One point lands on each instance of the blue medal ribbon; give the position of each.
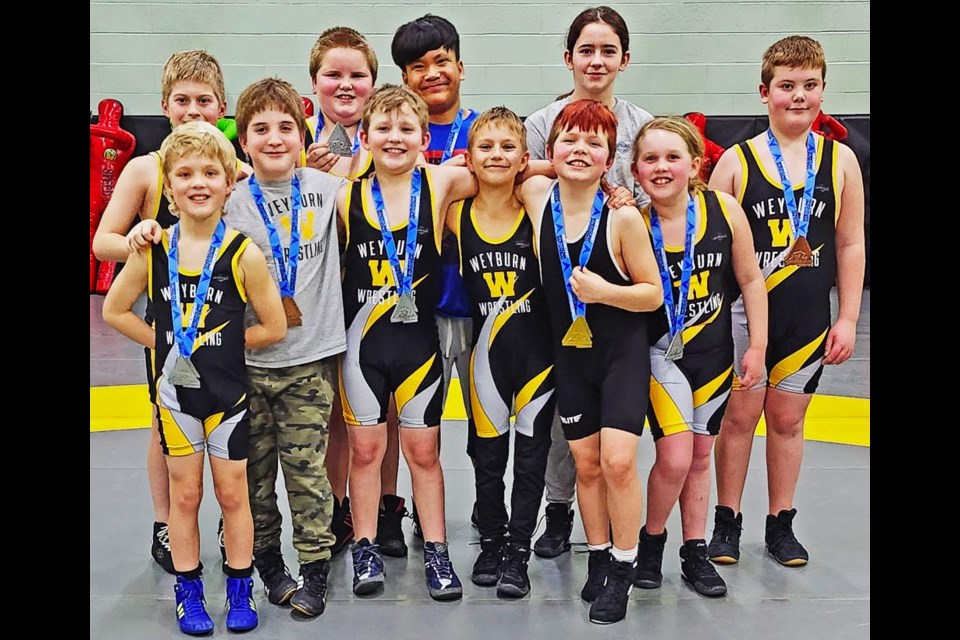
(185, 336)
(286, 269)
(452, 137)
(320, 125)
(577, 307)
(799, 220)
(676, 313)
(404, 281)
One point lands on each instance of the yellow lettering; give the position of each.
(779, 232)
(500, 283)
(698, 285)
(306, 224)
(381, 273)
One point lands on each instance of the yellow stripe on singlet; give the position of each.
(408, 388)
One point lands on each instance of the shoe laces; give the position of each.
(313, 581)
(194, 603)
(557, 526)
(513, 563)
(272, 572)
(439, 563)
(163, 537)
(698, 563)
(728, 530)
(617, 572)
(366, 559)
(239, 598)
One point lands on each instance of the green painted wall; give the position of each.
(700, 55)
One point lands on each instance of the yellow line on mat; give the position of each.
(834, 419)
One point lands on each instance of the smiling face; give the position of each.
(596, 59)
(395, 139)
(342, 84)
(192, 101)
(664, 165)
(793, 97)
(198, 185)
(436, 76)
(581, 155)
(273, 141)
(496, 155)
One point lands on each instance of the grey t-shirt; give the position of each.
(630, 118)
(317, 291)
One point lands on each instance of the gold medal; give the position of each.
(800, 254)
(578, 335)
(292, 312)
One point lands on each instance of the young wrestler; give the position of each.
(389, 306)
(512, 357)
(702, 243)
(343, 70)
(191, 90)
(597, 51)
(598, 271)
(201, 389)
(427, 51)
(803, 195)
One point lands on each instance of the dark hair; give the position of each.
(603, 14)
(416, 37)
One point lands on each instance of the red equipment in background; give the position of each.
(110, 149)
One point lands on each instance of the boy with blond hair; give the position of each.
(191, 90)
(198, 283)
(803, 195)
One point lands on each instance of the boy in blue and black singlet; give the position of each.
(803, 196)
(391, 225)
(512, 360)
(199, 277)
(704, 252)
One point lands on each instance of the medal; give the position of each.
(578, 335)
(291, 311)
(184, 374)
(800, 255)
(339, 143)
(452, 137)
(676, 312)
(338, 138)
(286, 268)
(406, 309)
(675, 349)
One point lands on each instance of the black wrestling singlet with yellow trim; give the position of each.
(794, 290)
(709, 298)
(512, 353)
(218, 355)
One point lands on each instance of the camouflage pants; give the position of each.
(290, 407)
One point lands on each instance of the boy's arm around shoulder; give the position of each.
(851, 257)
(263, 295)
(451, 184)
(126, 203)
(532, 193)
(123, 293)
(752, 285)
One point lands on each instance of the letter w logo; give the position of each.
(381, 273)
(779, 232)
(500, 283)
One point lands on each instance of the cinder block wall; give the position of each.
(701, 55)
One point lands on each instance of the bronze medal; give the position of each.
(578, 335)
(292, 312)
(800, 254)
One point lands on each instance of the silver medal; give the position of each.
(339, 142)
(675, 348)
(184, 374)
(406, 309)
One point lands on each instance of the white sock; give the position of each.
(624, 556)
(599, 547)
